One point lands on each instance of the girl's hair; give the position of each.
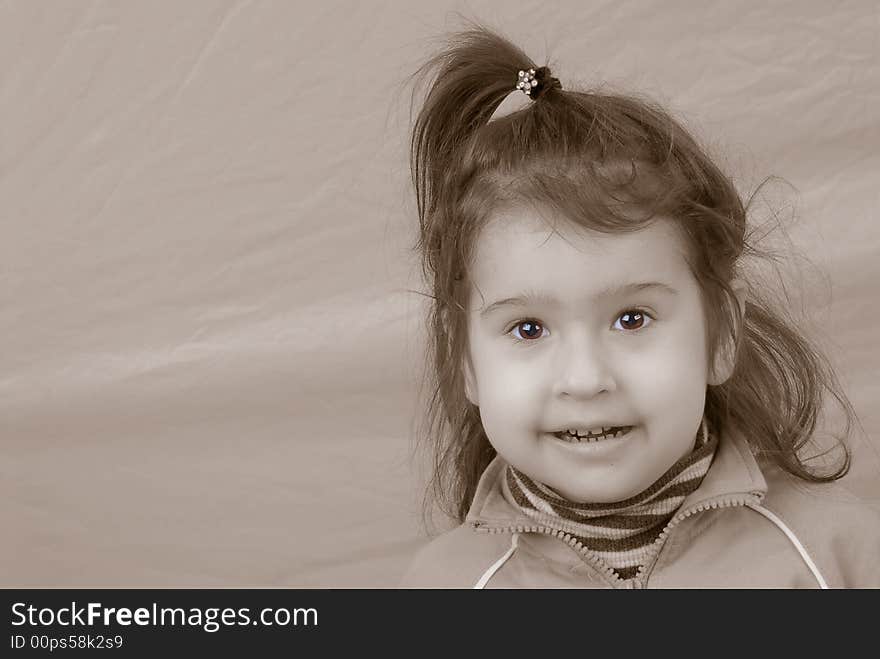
(611, 163)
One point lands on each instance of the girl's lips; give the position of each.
(610, 436)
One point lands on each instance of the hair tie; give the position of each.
(537, 82)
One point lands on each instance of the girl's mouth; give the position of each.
(610, 433)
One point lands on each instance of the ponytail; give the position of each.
(476, 72)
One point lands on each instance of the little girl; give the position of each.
(615, 405)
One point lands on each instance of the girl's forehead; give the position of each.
(531, 263)
(526, 234)
(518, 254)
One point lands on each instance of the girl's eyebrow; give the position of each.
(526, 298)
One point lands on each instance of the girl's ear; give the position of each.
(725, 359)
(470, 382)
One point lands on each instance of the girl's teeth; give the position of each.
(593, 435)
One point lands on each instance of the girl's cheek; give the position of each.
(512, 383)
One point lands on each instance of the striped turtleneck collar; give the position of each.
(620, 534)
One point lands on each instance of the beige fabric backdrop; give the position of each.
(209, 356)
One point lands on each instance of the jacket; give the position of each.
(743, 527)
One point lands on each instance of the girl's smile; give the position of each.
(598, 448)
(599, 435)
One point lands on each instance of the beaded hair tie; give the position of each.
(537, 82)
(534, 83)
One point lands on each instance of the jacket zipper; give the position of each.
(593, 559)
(607, 572)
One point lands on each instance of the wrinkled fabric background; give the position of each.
(210, 351)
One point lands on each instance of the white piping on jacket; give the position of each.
(497, 564)
(794, 540)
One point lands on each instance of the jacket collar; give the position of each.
(734, 471)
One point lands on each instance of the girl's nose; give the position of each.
(584, 369)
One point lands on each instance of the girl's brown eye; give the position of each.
(529, 330)
(632, 320)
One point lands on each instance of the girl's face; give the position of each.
(602, 330)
